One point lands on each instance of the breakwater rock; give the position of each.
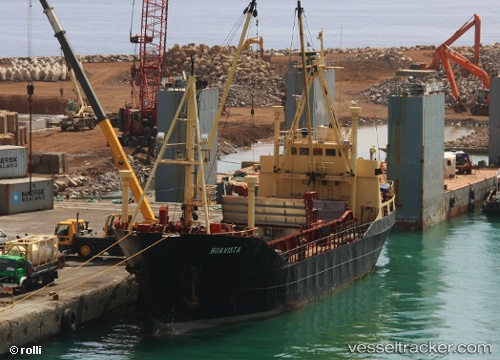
(260, 80)
(49, 68)
(467, 83)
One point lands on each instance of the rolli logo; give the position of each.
(225, 250)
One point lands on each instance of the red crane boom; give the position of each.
(444, 54)
(140, 119)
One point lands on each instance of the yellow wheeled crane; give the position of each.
(79, 114)
(119, 156)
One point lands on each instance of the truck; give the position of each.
(30, 260)
(76, 237)
(79, 115)
(463, 163)
(77, 122)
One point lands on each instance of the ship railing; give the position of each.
(320, 134)
(345, 234)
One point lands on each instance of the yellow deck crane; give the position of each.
(119, 156)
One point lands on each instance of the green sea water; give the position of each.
(432, 294)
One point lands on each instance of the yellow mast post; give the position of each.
(250, 10)
(306, 89)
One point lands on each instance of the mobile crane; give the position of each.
(78, 113)
(444, 54)
(138, 120)
(119, 156)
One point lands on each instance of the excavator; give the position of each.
(254, 40)
(442, 57)
(482, 101)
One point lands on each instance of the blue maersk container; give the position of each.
(22, 195)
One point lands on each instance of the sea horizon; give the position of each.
(346, 25)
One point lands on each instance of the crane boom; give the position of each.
(462, 30)
(152, 42)
(120, 158)
(444, 54)
(449, 54)
(140, 118)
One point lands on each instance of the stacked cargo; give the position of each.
(19, 193)
(10, 132)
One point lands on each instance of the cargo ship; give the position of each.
(491, 204)
(319, 221)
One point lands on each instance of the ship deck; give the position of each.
(460, 181)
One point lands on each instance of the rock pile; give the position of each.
(51, 68)
(254, 82)
(98, 180)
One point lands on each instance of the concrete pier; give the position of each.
(79, 296)
(85, 292)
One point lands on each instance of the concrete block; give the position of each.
(49, 163)
(12, 122)
(3, 122)
(36, 124)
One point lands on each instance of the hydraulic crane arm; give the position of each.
(477, 40)
(447, 54)
(119, 155)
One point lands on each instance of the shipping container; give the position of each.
(18, 195)
(13, 162)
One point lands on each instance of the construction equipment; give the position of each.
(79, 115)
(255, 40)
(120, 158)
(463, 163)
(29, 260)
(447, 54)
(482, 105)
(76, 237)
(441, 61)
(138, 120)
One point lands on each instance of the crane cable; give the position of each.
(30, 30)
(132, 17)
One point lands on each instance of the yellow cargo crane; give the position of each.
(120, 158)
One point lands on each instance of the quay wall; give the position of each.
(454, 201)
(32, 321)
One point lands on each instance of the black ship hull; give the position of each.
(491, 205)
(209, 279)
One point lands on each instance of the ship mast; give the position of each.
(193, 161)
(305, 78)
(250, 10)
(316, 70)
(193, 137)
